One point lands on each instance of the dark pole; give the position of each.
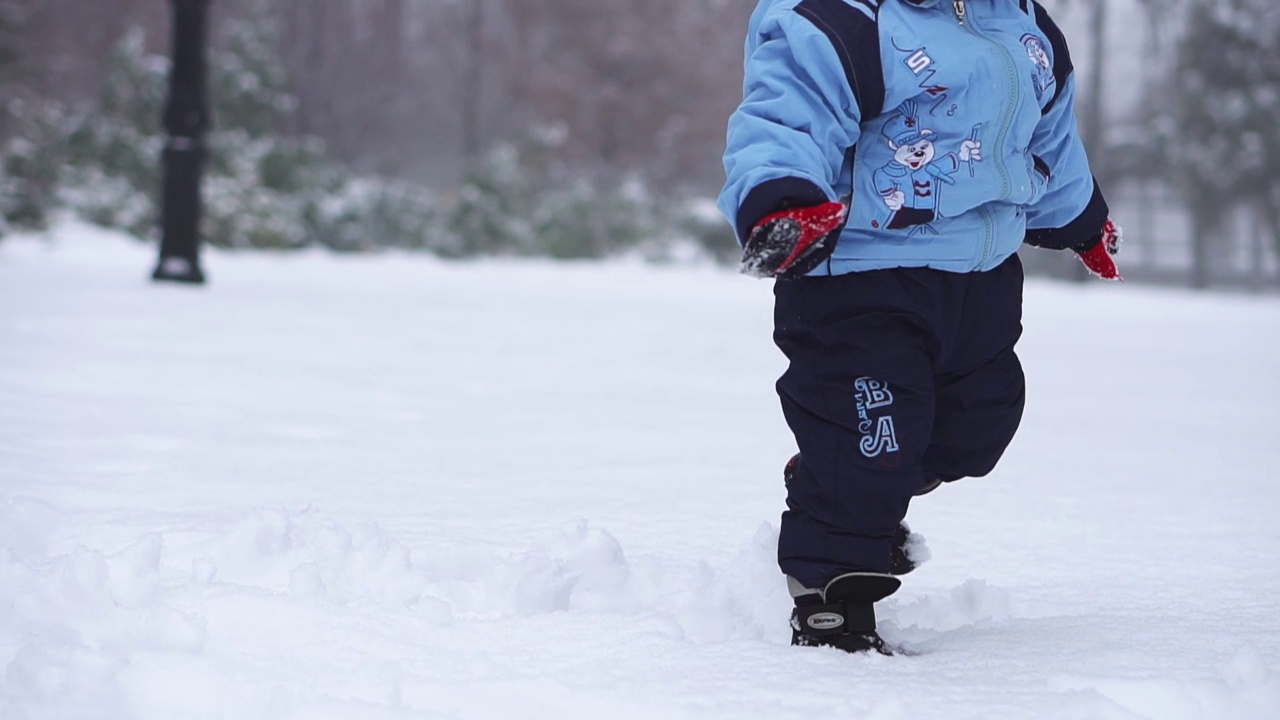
(186, 119)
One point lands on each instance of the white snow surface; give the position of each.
(333, 488)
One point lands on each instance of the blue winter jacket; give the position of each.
(949, 123)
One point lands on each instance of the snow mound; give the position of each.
(1245, 689)
(349, 487)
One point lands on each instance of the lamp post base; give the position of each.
(178, 269)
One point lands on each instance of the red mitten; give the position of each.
(1099, 257)
(793, 242)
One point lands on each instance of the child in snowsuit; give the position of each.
(888, 160)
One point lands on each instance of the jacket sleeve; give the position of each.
(1072, 211)
(799, 115)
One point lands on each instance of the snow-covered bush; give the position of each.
(109, 155)
(264, 188)
(585, 221)
(490, 212)
(27, 171)
(522, 201)
(30, 163)
(700, 221)
(258, 189)
(373, 213)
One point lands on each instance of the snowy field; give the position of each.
(395, 488)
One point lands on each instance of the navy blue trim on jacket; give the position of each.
(774, 196)
(1062, 65)
(856, 39)
(1080, 234)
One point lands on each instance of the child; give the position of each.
(886, 163)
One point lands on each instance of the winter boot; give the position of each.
(843, 614)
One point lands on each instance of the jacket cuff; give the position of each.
(1079, 234)
(773, 196)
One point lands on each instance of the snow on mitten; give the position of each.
(793, 242)
(1099, 257)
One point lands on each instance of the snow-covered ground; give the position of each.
(391, 487)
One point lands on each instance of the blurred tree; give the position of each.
(639, 85)
(68, 41)
(10, 55)
(1094, 112)
(10, 38)
(250, 85)
(473, 90)
(27, 171)
(10, 60)
(416, 89)
(1219, 133)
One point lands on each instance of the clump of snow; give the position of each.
(75, 622)
(917, 548)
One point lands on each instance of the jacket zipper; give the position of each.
(1005, 126)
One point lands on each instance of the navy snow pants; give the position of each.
(894, 375)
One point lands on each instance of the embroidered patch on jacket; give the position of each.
(910, 184)
(1042, 73)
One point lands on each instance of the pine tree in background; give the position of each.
(112, 151)
(9, 58)
(10, 44)
(28, 170)
(268, 188)
(263, 188)
(522, 200)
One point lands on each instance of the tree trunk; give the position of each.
(1095, 137)
(473, 91)
(1270, 220)
(1203, 229)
